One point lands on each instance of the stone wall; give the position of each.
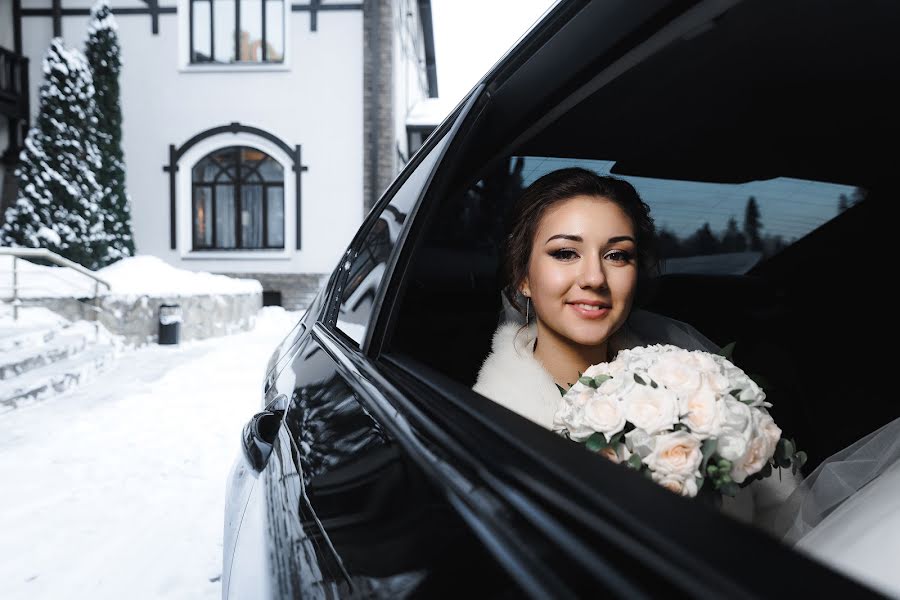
(137, 318)
(297, 289)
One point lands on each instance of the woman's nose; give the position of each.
(591, 274)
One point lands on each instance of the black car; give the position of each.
(762, 135)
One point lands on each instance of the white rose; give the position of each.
(760, 449)
(617, 387)
(677, 453)
(683, 486)
(570, 416)
(705, 362)
(640, 442)
(617, 368)
(736, 429)
(604, 414)
(651, 409)
(701, 413)
(677, 371)
(583, 396)
(717, 382)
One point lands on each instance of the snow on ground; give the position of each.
(134, 276)
(116, 489)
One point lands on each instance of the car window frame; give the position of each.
(446, 131)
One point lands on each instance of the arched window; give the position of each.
(238, 200)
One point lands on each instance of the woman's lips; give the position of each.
(586, 311)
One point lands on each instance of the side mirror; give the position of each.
(260, 432)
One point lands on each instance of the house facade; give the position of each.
(256, 133)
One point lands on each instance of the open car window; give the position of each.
(720, 228)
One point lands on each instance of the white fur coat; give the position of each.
(513, 377)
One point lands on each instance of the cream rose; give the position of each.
(677, 454)
(617, 455)
(651, 409)
(684, 487)
(604, 414)
(700, 412)
(678, 372)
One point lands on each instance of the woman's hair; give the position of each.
(555, 187)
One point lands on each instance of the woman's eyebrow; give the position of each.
(578, 238)
(621, 238)
(564, 236)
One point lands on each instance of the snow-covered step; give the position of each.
(55, 378)
(36, 325)
(13, 339)
(35, 355)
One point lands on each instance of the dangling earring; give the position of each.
(527, 310)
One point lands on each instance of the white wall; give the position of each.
(314, 100)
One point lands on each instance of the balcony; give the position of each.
(13, 85)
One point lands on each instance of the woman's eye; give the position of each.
(564, 254)
(619, 256)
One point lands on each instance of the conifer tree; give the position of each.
(57, 204)
(733, 240)
(102, 52)
(752, 225)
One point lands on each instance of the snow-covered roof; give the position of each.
(429, 112)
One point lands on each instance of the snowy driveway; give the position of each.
(116, 489)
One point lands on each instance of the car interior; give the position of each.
(759, 95)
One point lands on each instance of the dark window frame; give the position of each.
(235, 59)
(238, 181)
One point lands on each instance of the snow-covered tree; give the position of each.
(102, 52)
(58, 201)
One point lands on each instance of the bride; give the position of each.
(580, 246)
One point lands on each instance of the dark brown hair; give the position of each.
(555, 187)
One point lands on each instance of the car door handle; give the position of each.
(258, 437)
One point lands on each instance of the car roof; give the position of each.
(805, 86)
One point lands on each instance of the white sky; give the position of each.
(471, 35)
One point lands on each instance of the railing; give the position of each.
(44, 254)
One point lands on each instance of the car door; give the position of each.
(344, 509)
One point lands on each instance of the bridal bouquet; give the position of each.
(686, 419)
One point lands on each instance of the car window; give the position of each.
(720, 228)
(365, 268)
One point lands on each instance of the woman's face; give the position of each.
(582, 272)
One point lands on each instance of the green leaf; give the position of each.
(708, 449)
(634, 461)
(599, 379)
(588, 381)
(736, 394)
(596, 442)
(638, 379)
(562, 392)
(653, 384)
(614, 440)
(728, 350)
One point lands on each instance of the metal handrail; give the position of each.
(43, 253)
